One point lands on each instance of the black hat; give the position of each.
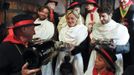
(49, 1)
(108, 54)
(22, 20)
(74, 4)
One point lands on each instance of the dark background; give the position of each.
(9, 8)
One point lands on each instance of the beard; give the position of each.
(42, 17)
(104, 22)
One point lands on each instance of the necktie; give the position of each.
(52, 15)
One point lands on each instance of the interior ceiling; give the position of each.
(60, 8)
(40, 2)
(35, 1)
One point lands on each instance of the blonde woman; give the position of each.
(74, 34)
(73, 6)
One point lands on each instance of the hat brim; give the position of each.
(79, 5)
(56, 3)
(24, 25)
(111, 64)
(91, 3)
(37, 24)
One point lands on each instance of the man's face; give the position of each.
(43, 14)
(124, 2)
(71, 20)
(51, 5)
(89, 7)
(28, 32)
(104, 18)
(77, 9)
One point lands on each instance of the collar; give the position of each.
(124, 9)
(93, 10)
(11, 38)
(103, 73)
(107, 27)
(128, 4)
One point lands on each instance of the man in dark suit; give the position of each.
(14, 44)
(125, 14)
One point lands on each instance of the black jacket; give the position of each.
(11, 60)
(129, 18)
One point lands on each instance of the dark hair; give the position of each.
(105, 9)
(43, 7)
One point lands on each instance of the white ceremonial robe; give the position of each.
(45, 31)
(73, 35)
(111, 30)
(47, 69)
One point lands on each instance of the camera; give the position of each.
(42, 52)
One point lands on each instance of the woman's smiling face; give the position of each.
(71, 20)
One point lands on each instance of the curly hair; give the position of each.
(105, 9)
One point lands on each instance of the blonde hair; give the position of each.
(73, 12)
(77, 15)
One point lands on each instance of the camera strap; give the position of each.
(18, 49)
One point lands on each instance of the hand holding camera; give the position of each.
(39, 54)
(26, 71)
(109, 42)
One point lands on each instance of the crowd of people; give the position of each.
(101, 41)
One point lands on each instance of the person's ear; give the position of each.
(111, 15)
